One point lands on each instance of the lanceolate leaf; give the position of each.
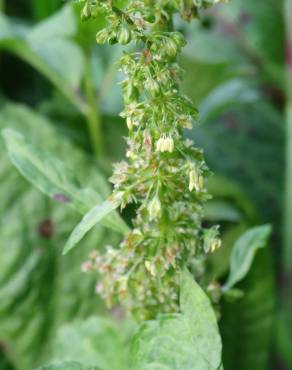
(50, 175)
(189, 340)
(94, 216)
(244, 251)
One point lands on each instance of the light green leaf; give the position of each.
(40, 290)
(94, 216)
(95, 341)
(49, 175)
(67, 365)
(244, 251)
(189, 340)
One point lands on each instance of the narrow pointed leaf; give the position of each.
(93, 217)
(244, 251)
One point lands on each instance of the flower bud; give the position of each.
(154, 208)
(179, 39)
(171, 47)
(211, 240)
(152, 85)
(169, 145)
(86, 12)
(196, 181)
(186, 121)
(150, 267)
(165, 144)
(102, 36)
(124, 35)
(122, 284)
(130, 123)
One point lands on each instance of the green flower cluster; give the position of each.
(164, 174)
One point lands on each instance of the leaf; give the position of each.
(189, 340)
(95, 341)
(244, 251)
(254, 131)
(227, 95)
(95, 215)
(49, 175)
(60, 24)
(48, 48)
(216, 210)
(247, 325)
(67, 365)
(41, 290)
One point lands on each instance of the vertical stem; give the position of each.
(284, 320)
(93, 114)
(2, 6)
(288, 202)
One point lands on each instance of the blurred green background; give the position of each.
(60, 89)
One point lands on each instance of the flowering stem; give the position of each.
(93, 115)
(164, 174)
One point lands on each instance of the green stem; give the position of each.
(2, 6)
(93, 115)
(288, 203)
(286, 322)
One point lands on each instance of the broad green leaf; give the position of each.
(244, 251)
(95, 341)
(41, 290)
(67, 365)
(49, 175)
(48, 48)
(94, 216)
(247, 325)
(189, 340)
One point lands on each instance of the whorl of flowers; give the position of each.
(164, 175)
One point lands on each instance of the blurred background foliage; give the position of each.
(60, 89)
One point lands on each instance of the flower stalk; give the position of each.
(164, 174)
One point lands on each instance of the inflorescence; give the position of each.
(164, 174)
